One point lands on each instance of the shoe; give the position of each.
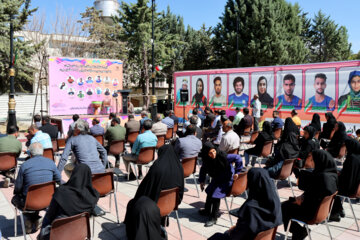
(6, 183)
(204, 212)
(210, 222)
(38, 223)
(140, 177)
(132, 177)
(300, 234)
(335, 218)
(28, 226)
(342, 213)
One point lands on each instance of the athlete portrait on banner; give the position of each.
(266, 100)
(239, 98)
(350, 102)
(181, 85)
(199, 96)
(219, 98)
(320, 101)
(288, 100)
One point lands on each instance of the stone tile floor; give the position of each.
(192, 224)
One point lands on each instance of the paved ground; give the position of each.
(192, 224)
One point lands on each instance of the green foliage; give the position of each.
(269, 33)
(355, 56)
(328, 41)
(24, 49)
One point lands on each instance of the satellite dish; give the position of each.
(108, 8)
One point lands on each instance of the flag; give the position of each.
(308, 106)
(158, 68)
(279, 105)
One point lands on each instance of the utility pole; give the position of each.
(11, 103)
(153, 97)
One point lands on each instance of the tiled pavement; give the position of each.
(192, 224)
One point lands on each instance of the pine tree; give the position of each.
(269, 33)
(23, 50)
(328, 41)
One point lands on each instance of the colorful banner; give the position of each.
(83, 86)
(307, 88)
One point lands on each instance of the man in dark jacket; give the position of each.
(48, 128)
(246, 122)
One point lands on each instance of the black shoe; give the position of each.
(132, 177)
(210, 222)
(334, 218)
(204, 212)
(300, 234)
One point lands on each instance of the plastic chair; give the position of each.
(38, 198)
(74, 227)
(189, 166)
(168, 202)
(49, 153)
(238, 187)
(100, 139)
(285, 173)
(353, 196)
(8, 162)
(54, 144)
(60, 144)
(169, 134)
(265, 152)
(277, 133)
(161, 141)
(321, 215)
(267, 235)
(146, 156)
(104, 184)
(132, 137)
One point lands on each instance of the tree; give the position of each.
(355, 56)
(23, 50)
(269, 33)
(328, 41)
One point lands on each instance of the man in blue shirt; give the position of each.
(239, 98)
(39, 136)
(144, 116)
(288, 98)
(96, 129)
(277, 122)
(320, 101)
(146, 139)
(36, 170)
(167, 120)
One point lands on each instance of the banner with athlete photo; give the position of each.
(77, 84)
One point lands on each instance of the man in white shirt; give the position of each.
(230, 140)
(256, 108)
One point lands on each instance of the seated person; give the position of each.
(132, 125)
(296, 118)
(260, 212)
(349, 178)
(230, 140)
(48, 128)
(165, 173)
(337, 140)
(10, 144)
(328, 126)
(212, 131)
(146, 139)
(86, 150)
(245, 122)
(144, 117)
(35, 170)
(39, 136)
(115, 132)
(158, 127)
(307, 144)
(286, 148)
(74, 197)
(315, 122)
(316, 185)
(167, 120)
(188, 146)
(96, 129)
(264, 136)
(219, 166)
(277, 122)
(75, 117)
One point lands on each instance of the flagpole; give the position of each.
(11, 103)
(153, 97)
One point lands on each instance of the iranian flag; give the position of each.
(279, 105)
(342, 108)
(308, 106)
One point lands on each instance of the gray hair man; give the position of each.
(158, 127)
(230, 140)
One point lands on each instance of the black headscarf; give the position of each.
(308, 145)
(217, 166)
(289, 127)
(328, 126)
(267, 128)
(315, 122)
(319, 183)
(337, 140)
(199, 97)
(349, 178)
(265, 98)
(77, 195)
(262, 210)
(146, 220)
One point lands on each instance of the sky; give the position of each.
(198, 12)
